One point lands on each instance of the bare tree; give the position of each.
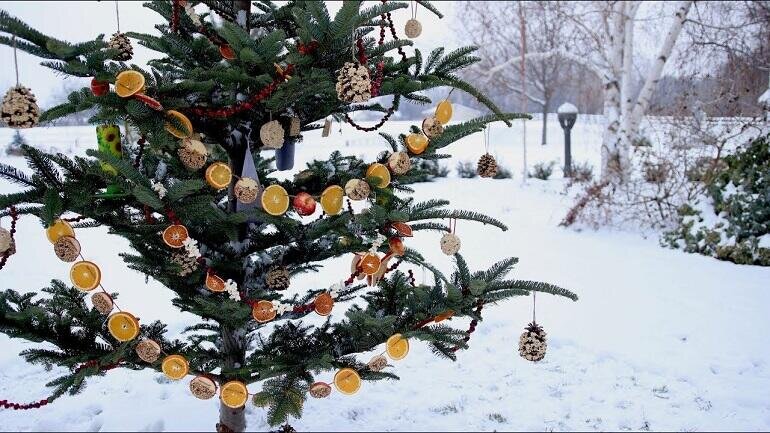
(604, 34)
(493, 27)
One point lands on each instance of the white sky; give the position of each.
(77, 21)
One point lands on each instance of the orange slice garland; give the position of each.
(187, 129)
(347, 381)
(369, 263)
(331, 199)
(263, 311)
(417, 143)
(444, 111)
(123, 326)
(380, 172)
(175, 235)
(85, 276)
(397, 347)
(219, 175)
(129, 83)
(275, 200)
(59, 229)
(234, 394)
(323, 304)
(215, 283)
(175, 367)
(403, 229)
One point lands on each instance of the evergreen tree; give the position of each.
(14, 147)
(263, 63)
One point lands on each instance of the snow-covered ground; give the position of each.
(659, 340)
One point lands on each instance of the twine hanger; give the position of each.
(117, 14)
(534, 299)
(15, 60)
(487, 131)
(414, 9)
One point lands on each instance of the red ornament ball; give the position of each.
(99, 88)
(304, 204)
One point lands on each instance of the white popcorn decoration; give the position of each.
(159, 189)
(336, 289)
(282, 308)
(232, 290)
(377, 243)
(191, 246)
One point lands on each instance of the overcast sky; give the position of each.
(77, 21)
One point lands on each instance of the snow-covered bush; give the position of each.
(582, 172)
(14, 147)
(731, 219)
(542, 170)
(467, 169)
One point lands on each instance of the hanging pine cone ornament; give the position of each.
(412, 29)
(432, 127)
(5, 240)
(246, 190)
(487, 166)
(399, 163)
(450, 244)
(193, 154)
(354, 83)
(102, 302)
(148, 351)
(532, 344)
(19, 109)
(272, 134)
(187, 265)
(120, 42)
(278, 278)
(67, 249)
(357, 189)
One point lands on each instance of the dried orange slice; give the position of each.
(403, 229)
(175, 367)
(123, 326)
(234, 394)
(444, 111)
(187, 129)
(215, 283)
(175, 235)
(219, 175)
(227, 52)
(331, 199)
(323, 304)
(397, 347)
(396, 246)
(128, 83)
(275, 200)
(381, 172)
(263, 311)
(443, 316)
(58, 229)
(417, 143)
(347, 381)
(369, 263)
(85, 275)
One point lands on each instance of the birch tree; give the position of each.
(604, 34)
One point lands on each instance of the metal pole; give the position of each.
(568, 152)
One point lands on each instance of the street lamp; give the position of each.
(567, 114)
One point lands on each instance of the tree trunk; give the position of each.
(234, 352)
(545, 123)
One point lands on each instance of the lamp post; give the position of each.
(567, 114)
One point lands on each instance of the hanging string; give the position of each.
(534, 297)
(486, 138)
(414, 10)
(117, 14)
(15, 61)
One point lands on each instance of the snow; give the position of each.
(567, 108)
(659, 340)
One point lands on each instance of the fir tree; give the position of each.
(295, 52)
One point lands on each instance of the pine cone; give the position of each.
(187, 264)
(120, 42)
(354, 83)
(278, 278)
(487, 166)
(532, 343)
(19, 109)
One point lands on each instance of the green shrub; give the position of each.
(542, 170)
(467, 169)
